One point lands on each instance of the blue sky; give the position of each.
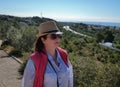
(64, 10)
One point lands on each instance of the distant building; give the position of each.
(108, 44)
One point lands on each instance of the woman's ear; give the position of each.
(43, 40)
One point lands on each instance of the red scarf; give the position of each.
(40, 62)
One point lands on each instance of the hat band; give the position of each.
(51, 31)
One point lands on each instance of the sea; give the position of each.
(103, 23)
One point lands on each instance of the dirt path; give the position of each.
(9, 76)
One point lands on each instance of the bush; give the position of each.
(117, 46)
(22, 39)
(108, 76)
(85, 72)
(22, 67)
(16, 53)
(24, 58)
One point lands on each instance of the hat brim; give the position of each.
(40, 35)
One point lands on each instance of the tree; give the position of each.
(99, 37)
(109, 36)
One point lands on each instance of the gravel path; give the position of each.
(9, 76)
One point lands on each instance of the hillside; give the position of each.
(93, 65)
(23, 21)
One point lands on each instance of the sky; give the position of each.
(64, 10)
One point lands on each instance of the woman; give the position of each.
(48, 66)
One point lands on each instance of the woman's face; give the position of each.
(52, 40)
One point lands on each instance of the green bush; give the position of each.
(108, 76)
(22, 67)
(22, 39)
(85, 72)
(16, 53)
(117, 46)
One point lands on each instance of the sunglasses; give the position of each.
(55, 36)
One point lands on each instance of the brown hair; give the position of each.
(39, 46)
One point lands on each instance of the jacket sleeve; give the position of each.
(29, 74)
(70, 83)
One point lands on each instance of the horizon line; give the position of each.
(65, 20)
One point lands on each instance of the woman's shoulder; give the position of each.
(35, 54)
(61, 50)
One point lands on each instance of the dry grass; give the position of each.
(8, 48)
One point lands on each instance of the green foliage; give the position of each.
(22, 67)
(109, 36)
(22, 39)
(117, 46)
(24, 58)
(85, 72)
(16, 53)
(108, 76)
(99, 37)
(4, 27)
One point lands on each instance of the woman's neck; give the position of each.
(51, 51)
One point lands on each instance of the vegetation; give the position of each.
(93, 65)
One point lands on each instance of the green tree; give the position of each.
(99, 37)
(109, 36)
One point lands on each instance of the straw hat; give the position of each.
(48, 27)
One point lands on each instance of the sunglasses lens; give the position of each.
(54, 36)
(60, 35)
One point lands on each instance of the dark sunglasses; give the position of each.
(54, 36)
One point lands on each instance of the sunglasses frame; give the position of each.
(55, 36)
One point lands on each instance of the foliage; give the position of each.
(85, 70)
(109, 36)
(22, 39)
(16, 53)
(117, 46)
(4, 27)
(22, 67)
(100, 37)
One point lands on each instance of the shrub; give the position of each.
(16, 53)
(22, 67)
(108, 76)
(22, 39)
(85, 72)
